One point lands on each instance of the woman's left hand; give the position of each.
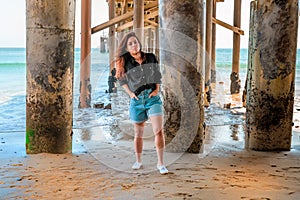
(154, 93)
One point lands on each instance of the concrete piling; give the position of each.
(271, 82)
(50, 62)
(181, 55)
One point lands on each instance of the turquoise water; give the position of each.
(13, 85)
(13, 82)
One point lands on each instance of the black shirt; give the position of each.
(143, 76)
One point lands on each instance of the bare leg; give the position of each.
(138, 140)
(157, 125)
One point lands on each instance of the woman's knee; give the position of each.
(159, 133)
(138, 130)
(159, 140)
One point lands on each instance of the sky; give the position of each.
(13, 22)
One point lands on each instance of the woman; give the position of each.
(138, 73)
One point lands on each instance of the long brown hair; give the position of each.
(121, 51)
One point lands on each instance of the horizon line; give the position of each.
(18, 47)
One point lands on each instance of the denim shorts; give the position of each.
(140, 110)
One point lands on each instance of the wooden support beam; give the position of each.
(213, 46)
(138, 19)
(124, 26)
(111, 34)
(151, 15)
(208, 43)
(85, 55)
(228, 26)
(151, 22)
(234, 77)
(120, 18)
(130, 24)
(149, 26)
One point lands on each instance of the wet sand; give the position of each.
(100, 166)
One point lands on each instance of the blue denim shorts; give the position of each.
(140, 110)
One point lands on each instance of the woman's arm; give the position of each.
(155, 92)
(129, 92)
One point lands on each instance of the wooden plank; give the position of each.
(236, 37)
(130, 24)
(138, 19)
(85, 52)
(120, 18)
(131, 1)
(111, 34)
(125, 26)
(151, 22)
(213, 46)
(228, 26)
(151, 15)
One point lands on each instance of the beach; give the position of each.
(100, 169)
(102, 154)
(100, 166)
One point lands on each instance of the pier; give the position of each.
(248, 148)
(182, 34)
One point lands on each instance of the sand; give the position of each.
(100, 167)
(227, 171)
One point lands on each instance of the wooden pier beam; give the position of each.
(49, 68)
(120, 34)
(112, 46)
(121, 18)
(213, 45)
(183, 78)
(85, 55)
(235, 84)
(138, 19)
(208, 47)
(271, 79)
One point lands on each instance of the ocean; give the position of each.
(13, 86)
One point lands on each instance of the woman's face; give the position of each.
(133, 46)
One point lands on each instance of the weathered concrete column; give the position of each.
(270, 91)
(181, 55)
(50, 63)
(235, 84)
(85, 87)
(251, 50)
(138, 19)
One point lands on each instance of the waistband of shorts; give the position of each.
(145, 92)
(146, 87)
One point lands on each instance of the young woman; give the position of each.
(138, 73)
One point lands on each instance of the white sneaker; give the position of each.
(136, 165)
(162, 169)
